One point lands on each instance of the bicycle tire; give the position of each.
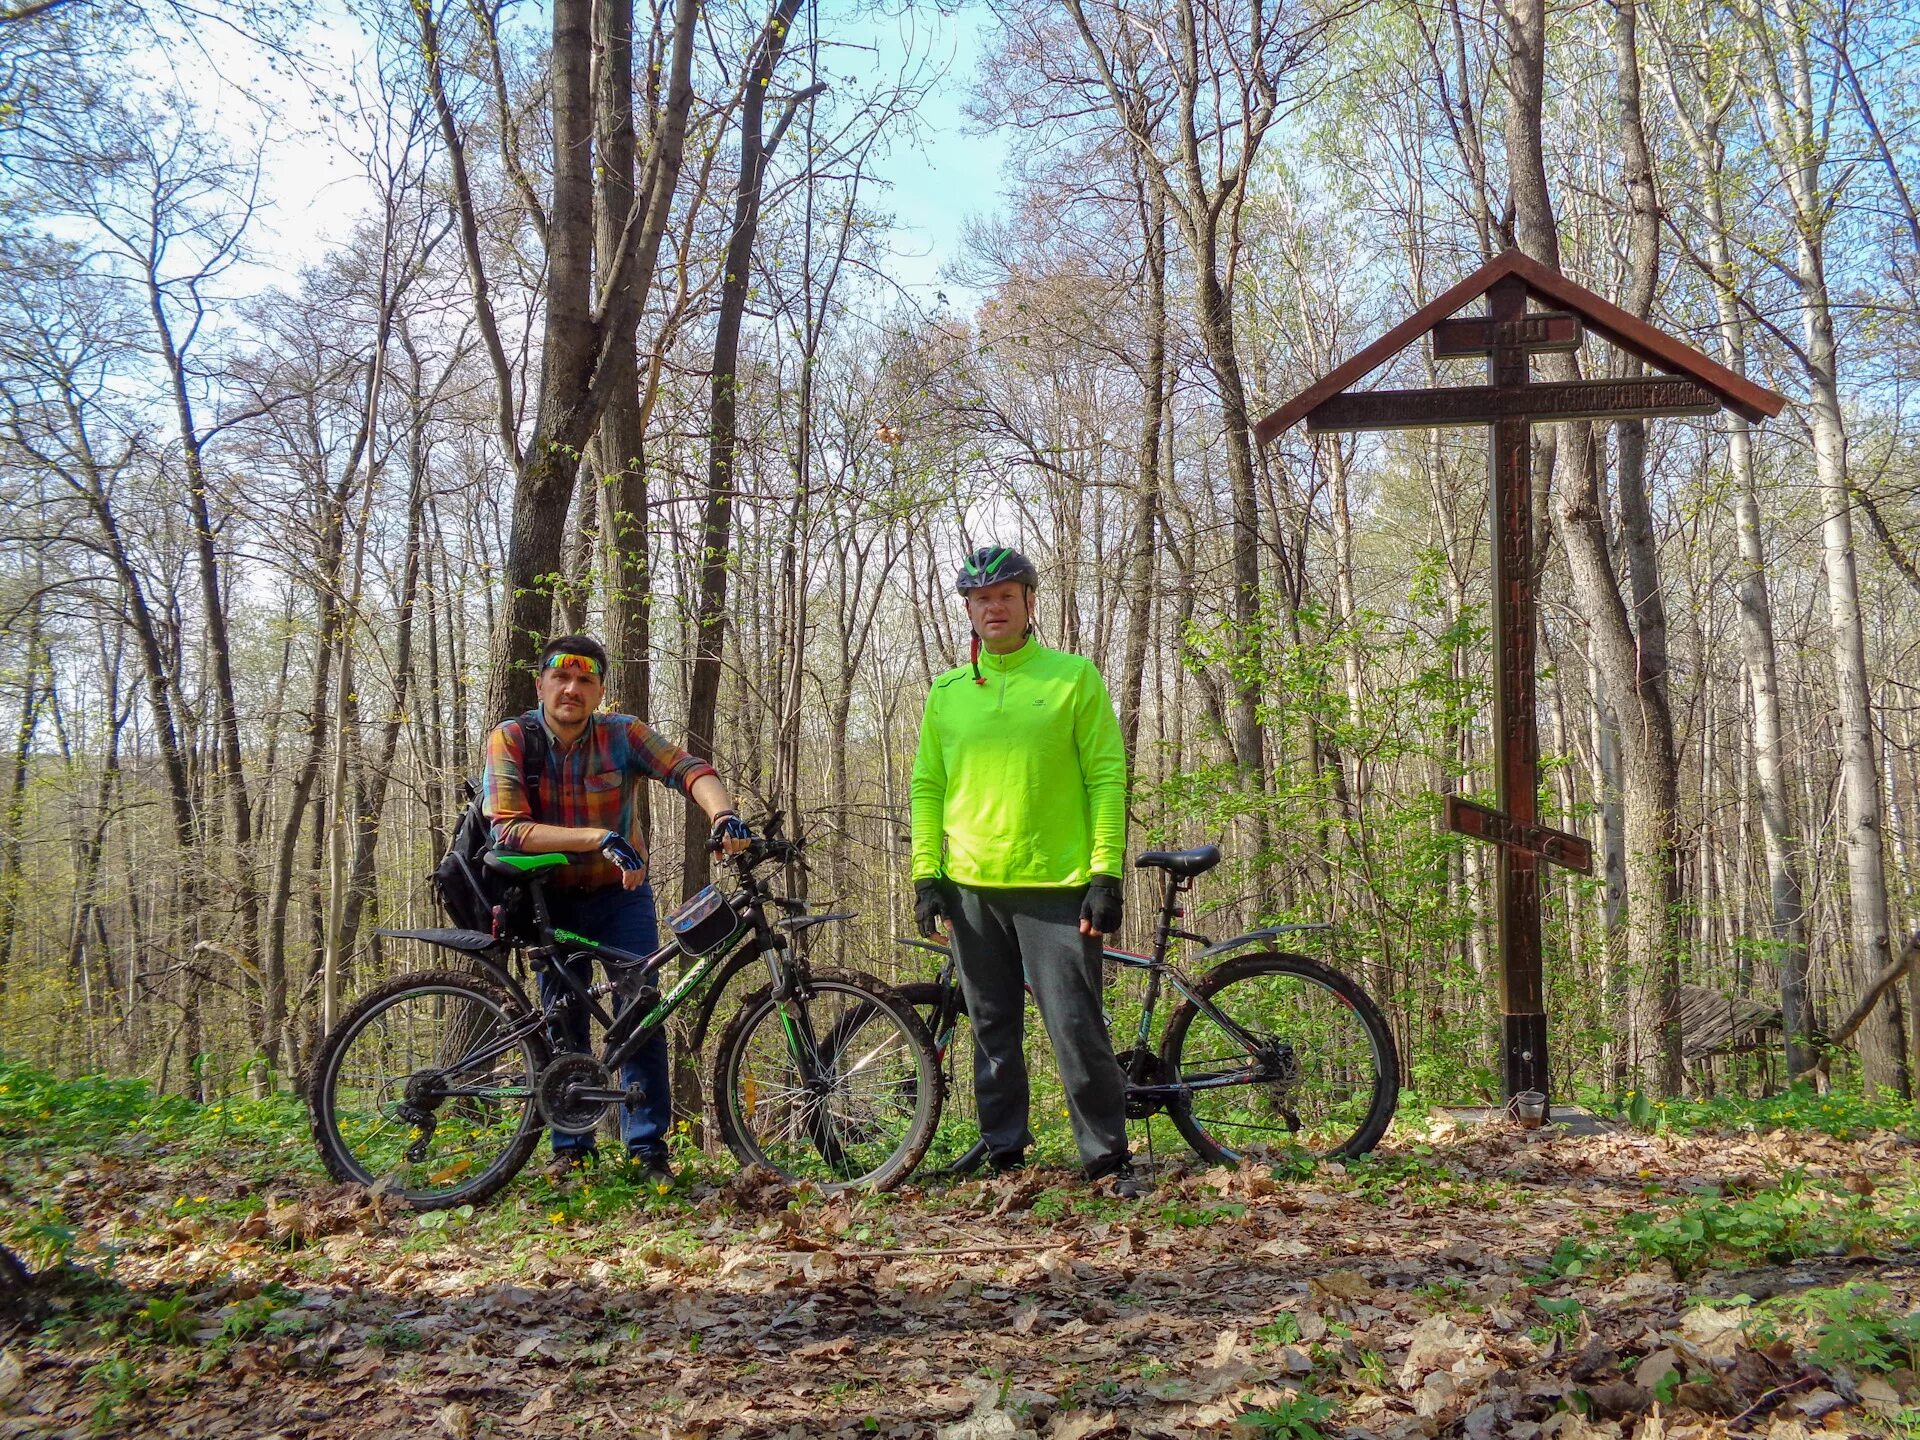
(1345, 1079)
(873, 1129)
(353, 1099)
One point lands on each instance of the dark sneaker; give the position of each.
(565, 1164)
(650, 1166)
(1126, 1183)
(1008, 1162)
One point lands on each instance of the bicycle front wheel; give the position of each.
(1303, 1062)
(424, 1090)
(844, 1091)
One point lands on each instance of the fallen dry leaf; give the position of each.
(1436, 1344)
(1341, 1284)
(1083, 1425)
(1713, 1333)
(541, 1404)
(820, 1349)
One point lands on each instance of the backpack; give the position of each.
(470, 894)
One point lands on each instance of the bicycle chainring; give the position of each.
(1141, 1067)
(557, 1107)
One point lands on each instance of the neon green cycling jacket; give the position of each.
(1021, 781)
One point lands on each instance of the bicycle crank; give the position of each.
(571, 1091)
(1142, 1068)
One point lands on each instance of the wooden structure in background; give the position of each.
(1510, 403)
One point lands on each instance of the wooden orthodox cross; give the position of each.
(1510, 403)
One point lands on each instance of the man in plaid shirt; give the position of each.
(587, 812)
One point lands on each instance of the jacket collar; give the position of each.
(1012, 660)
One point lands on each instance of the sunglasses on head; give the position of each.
(586, 664)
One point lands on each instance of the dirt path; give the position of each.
(1483, 1284)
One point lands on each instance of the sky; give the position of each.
(935, 179)
(948, 173)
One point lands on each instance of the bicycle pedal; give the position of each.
(635, 1097)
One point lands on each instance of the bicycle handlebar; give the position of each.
(767, 844)
(761, 849)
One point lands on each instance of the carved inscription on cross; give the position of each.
(1509, 404)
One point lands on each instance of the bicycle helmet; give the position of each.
(995, 565)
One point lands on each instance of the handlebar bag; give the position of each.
(704, 923)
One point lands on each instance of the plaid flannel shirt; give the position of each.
(586, 784)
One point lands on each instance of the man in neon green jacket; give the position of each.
(1019, 833)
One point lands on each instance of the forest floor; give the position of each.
(200, 1278)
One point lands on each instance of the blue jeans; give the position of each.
(624, 919)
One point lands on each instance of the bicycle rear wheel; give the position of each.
(424, 1090)
(1305, 1064)
(846, 1095)
(957, 1147)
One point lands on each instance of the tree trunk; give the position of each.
(12, 843)
(1797, 139)
(373, 799)
(716, 511)
(1202, 179)
(229, 766)
(1650, 768)
(582, 340)
(550, 459)
(1771, 767)
(1152, 207)
(619, 463)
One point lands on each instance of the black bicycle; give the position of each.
(1268, 1053)
(434, 1087)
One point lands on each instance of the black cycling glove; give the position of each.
(617, 849)
(1101, 908)
(730, 827)
(931, 908)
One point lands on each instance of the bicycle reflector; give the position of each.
(704, 923)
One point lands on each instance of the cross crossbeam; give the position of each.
(1538, 404)
(1570, 852)
(1479, 334)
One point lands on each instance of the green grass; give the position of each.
(40, 1112)
(1856, 1327)
(1297, 1417)
(1845, 1114)
(1801, 1216)
(1283, 1329)
(1187, 1216)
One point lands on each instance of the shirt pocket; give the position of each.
(605, 781)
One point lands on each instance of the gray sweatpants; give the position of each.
(1002, 940)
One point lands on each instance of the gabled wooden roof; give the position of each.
(1630, 333)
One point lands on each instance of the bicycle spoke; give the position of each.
(1313, 1070)
(891, 1047)
(850, 1105)
(400, 1115)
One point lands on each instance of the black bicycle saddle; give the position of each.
(1180, 862)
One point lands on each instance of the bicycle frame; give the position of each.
(624, 1034)
(1157, 966)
